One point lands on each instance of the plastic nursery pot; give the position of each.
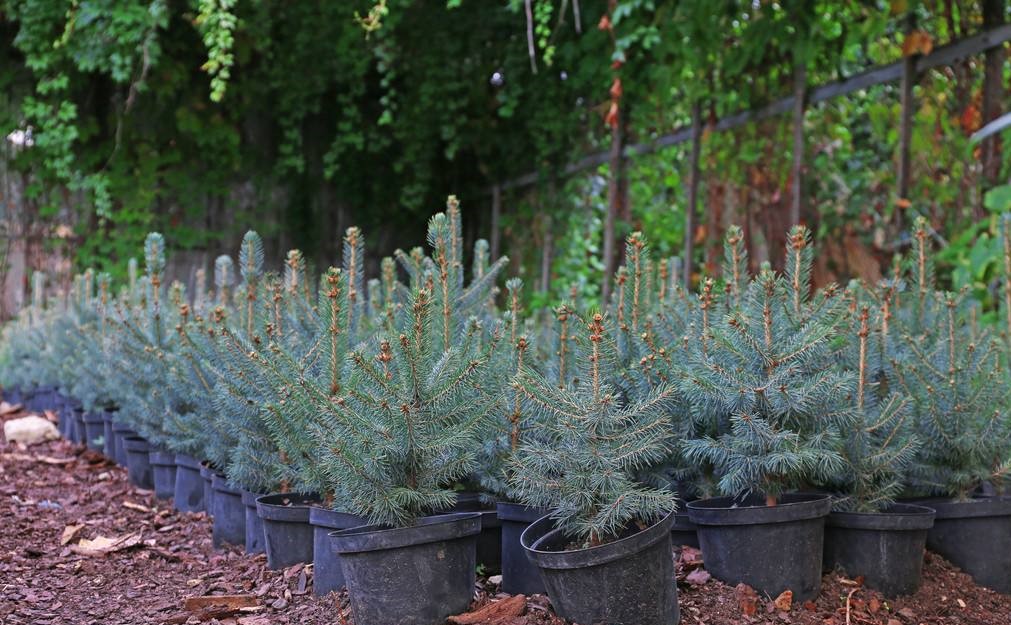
(254, 524)
(80, 427)
(683, 531)
(770, 548)
(975, 536)
(188, 494)
(120, 432)
(94, 430)
(108, 438)
(885, 548)
(489, 542)
(630, 581)
(229, 514)
(327, 574)
(65, 422)
(207, 473)
(163, 468)
(287, 534)
(138, 462)
(416, 575)
(519, 575)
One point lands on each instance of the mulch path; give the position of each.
(46, 580)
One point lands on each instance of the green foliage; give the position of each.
(764, 377)
(583, 463)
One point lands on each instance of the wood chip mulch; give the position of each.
(55, 495)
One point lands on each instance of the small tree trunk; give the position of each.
(693, 194)
(905, 126)
(799, 94)
(613, 207)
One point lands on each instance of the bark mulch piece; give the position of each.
(48, 578)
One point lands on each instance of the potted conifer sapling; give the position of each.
(868, 534)
(765, 377)
(604, 550)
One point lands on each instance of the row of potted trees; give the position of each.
(401, 431)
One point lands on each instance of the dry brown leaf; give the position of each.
(102, 545)
(70, 533)
(6, 409)
(698, 577)
(136, 506)
(747, 599)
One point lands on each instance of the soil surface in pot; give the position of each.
(48, 488)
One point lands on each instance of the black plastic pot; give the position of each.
(65, 422)
(975, 536)
(629, 581)
(12, 396)
(287, 534)
(327, 574)
(108, 438)
(414, 575)
(138, 462)
(163, 467)
(489, 542)
(683, 531)
(189, 487)
(885, 548)
(207, 473)
(254, 524)
(94, 430)
(229, 513)
(519, 574)
(770, 548)
(120, 433)
(80, 427)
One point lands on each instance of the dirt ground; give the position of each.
(55, 495)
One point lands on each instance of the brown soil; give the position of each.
(46, 488)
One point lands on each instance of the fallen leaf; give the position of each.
(136, 506)
(909, 614)
(747, 599)
(698, 577)
(70, 533)
(102, 545)
(495, 613)
(6, 409)
(784, 601)
(961, 603)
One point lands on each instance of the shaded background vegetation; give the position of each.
(202, 118)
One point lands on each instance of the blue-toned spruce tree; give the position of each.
(764, 379)
(582, 464)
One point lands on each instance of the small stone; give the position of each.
(30, 430)
(280, 604)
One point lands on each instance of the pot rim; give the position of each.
(792, 507)
(163, 458)
(896, 517)
(220, 484)
(517, 512)
(976, 507)
(136, 444)
(429, 529)
(271, 507)
(187, 461)
(591, 556)
(334, 519)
